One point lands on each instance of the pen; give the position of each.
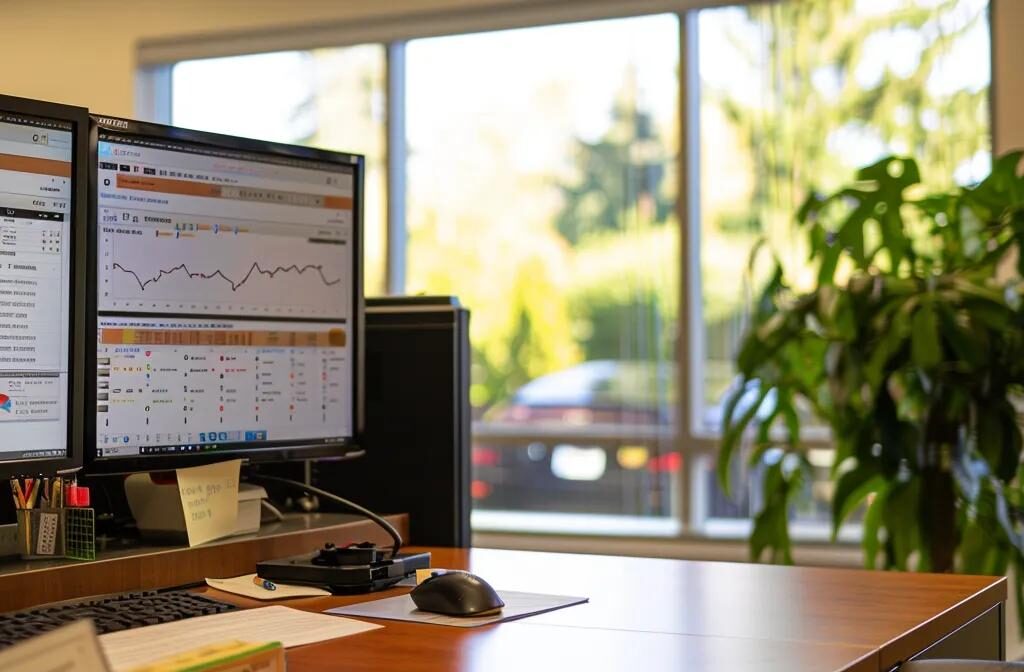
(263, 583)
(26, 490)
(34, 496)
(19, 494)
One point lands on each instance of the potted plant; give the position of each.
(910, 348)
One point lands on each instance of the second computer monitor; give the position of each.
(42, 241)
(227, 298)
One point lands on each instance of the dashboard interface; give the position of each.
(36, 157)
(225, 298)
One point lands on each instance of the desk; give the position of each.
(651, 614)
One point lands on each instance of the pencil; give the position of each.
(19, 494)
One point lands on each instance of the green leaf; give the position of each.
(829, 262)
(980, 553)
(968, 345)
(810, 207)
(924, 337)
(771, 524)
(852, 488)
(734, 432)
(851, 234)
(901, 523)
(872, 525)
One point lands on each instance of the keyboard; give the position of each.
(110, 613)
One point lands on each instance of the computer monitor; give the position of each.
(43, 178)
(227, 294)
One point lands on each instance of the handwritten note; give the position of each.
(209, 498)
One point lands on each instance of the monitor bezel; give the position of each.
(78, 117)
(248, 452)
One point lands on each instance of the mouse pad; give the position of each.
(401, 608)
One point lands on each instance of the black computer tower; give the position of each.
(417, 427)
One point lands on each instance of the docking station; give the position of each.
(356, 568)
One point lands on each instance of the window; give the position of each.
(796, 96)
(541, 170)
(330, 98)
(541, 190)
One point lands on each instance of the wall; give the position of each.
(84, 52)
(1008, 73)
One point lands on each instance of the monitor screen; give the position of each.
(37, 156)
(227, 300)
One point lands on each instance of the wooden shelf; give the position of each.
(129, 566)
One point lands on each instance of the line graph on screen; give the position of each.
(235, 273)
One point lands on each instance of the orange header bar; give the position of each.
(332, 338)
(166, 186)
(338, 202)
(31, 164)
(189, 188)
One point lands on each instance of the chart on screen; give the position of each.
(180, 264)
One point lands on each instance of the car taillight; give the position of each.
(480, 490)
(485, 457)
(669, 462)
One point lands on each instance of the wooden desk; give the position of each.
(648, 614)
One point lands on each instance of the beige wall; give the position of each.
(1008, 73)
(84, 51)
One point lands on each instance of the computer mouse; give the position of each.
(456, 594)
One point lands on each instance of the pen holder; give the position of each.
(41, 533)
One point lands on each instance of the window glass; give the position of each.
(541, 191)
(798, 95)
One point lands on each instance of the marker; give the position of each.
(263, 583)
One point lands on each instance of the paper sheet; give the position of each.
(209, 498)
(291, 627)
(73, 648)
(243, 585)
(517, 605)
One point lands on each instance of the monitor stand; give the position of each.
(156, 506)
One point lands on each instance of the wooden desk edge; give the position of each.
(941, 625)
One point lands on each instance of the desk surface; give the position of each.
(670, 614)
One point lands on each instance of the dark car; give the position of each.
(599, 437)
(594, 438)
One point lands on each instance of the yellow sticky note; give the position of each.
(422, 575)
(209, 499)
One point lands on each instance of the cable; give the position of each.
(395, 536)
(273, 510)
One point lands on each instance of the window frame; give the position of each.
(156, 59)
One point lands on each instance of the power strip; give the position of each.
(8, 540)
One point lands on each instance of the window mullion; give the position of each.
(396, 152)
